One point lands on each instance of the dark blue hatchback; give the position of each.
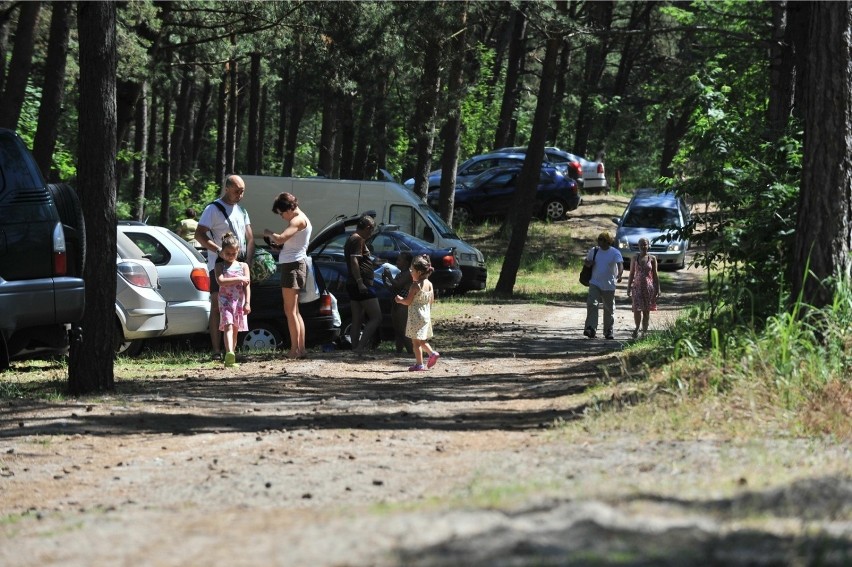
(491, 194)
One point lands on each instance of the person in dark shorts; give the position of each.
(293, 241)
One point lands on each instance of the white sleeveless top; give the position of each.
(296, 248)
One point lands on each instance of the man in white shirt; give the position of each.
(220, 217)
(607, 269)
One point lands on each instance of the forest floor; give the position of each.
(503, 454)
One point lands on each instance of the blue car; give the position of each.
(492, 193)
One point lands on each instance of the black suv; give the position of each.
(41, 255)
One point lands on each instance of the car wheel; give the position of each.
(126, 347)
(74, 225)
(345, 340)
(462, 214)
(554, 210)
(262, 335)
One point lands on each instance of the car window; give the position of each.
(481, 165)
(334, 245)
(651, 217)
(383, 243)
(16, 171)
(335, 281)
(410, 221)
(152, 247)
(504, 179)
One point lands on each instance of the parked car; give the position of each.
(140, 310)
(654, 214)
(184, 281)
(42, 294)
(591, 174)
(473, 167)
(385, 244)
(268, 326)
(492, 194)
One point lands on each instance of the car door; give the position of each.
(498, 193)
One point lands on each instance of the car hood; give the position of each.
(634, 234)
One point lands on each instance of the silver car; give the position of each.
(654, 214)
(184, 280)
(140, 310)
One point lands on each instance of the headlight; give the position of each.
(674, 247)
(623, 244)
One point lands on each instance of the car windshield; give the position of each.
(651, 217)
(438, 222)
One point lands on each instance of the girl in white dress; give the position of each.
(419, 300)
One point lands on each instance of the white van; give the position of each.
(324, 200)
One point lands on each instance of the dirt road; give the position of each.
(494, 457)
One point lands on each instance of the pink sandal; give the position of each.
(433, 359)
(416, 368)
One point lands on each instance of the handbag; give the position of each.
(586, 271)
(262, 265)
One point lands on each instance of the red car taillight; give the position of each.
(134, 274)
(448, 261)
(60, 257)
(200, 279)
(325, 304)
(601, 168)
(576, 168)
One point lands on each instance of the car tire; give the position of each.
(125, 347)
(345, 340)
(262, 335)
(74, 224)
(554, 210)
(462, 215)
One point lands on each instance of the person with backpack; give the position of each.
(218, 218)
(607, 269)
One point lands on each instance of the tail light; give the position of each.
(200, 279)
(325, 304)
(576, 169)
(60, 256)
(134, 274)
(600, 167)
(448, 261)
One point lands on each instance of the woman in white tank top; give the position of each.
(292, 257)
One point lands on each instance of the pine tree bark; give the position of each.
(90, 366)
(221, 130)
(530, 173)
(328, 134)
(514, 66)
(252, 153)
(451, 132)
(140, 148)
(424, 115)
(347, 137)
(53, 91)
(231, 129)
(5, 14)
(165, 154)
(19, 67)
(199, 135)
(600, 17)
(823, 239)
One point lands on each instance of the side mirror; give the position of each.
(616, 220)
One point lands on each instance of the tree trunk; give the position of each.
(824, 228)
(424, 122)
(297, 111)
(261, 133)
(231, 130)
(140, 148)
(5, 14)
(530, 173)
(20, 65)
(451, 132)
(165, 153)
(362, 145)
(514, 64)
(347, 137)
(252, 153)
(90, 366)
(199, 135)
(676, 127)
(379, 153)
(559, 93)
(798, 23)
(53, 91)
(600, 17)
(328, 134)
(180, 127)
(152, 174)
(221, 130)
(781, 73)
(283, 109)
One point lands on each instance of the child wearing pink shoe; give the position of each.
(419, 300)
